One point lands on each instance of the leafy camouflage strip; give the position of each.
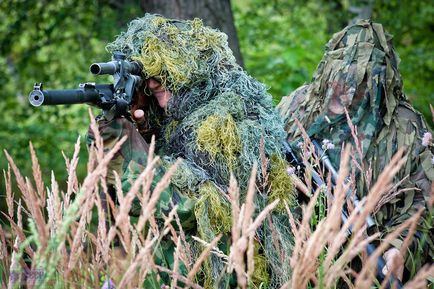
(359, 72)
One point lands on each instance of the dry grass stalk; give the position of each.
(176, 264)
(84, 202)
(52, 218)
(3, 246)
(308, 157)
(56, 205)
(142, 258)
(18, 231)
(367, 274)
(392, 193)
(283, 255)
(9, 194)
(250, 255)
(180, 277)
(261, 217)
(77, 244)
(306, 148)
(18, 177)
(32, 201)
(37, 212)
(357, 142)
(215, 250)
(32, 204)
(244, 229)
(125, 202)
(17, 263)
(377, 190)
(301, 186)
(328, 234)
(202, 258)
(102, 247)
(301, 233)
(99, 144)
(37, 175)
(403, 250)
(14, 267)
(419, 281)
(239, 242)
(149, 209)
(92, 161)
(4, 258)
(71, 166)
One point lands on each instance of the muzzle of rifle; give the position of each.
(86, 93)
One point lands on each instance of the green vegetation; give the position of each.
(282, 42)
(54, 43)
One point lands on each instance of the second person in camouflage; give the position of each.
(359, 73)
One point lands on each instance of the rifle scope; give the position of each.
(116, 66)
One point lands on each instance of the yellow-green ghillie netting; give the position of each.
(177, 52)
(219, 137)
(214, 121)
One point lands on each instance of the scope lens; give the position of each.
(95, 69)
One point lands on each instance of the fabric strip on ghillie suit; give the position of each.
(359, 73)
(214, 122)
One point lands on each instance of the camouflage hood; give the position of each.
(359, 73)
(189, 59)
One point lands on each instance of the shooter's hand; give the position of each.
(139, 106)
(394, 260)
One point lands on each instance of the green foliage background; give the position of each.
(282, 41)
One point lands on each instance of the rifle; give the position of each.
(113, 98)
(296, 162)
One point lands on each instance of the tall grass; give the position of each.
(68, 242)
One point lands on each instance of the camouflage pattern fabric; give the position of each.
(359, 73)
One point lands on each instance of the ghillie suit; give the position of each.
(359, 73)
(214, 121)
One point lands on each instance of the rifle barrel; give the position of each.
(85, 94)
